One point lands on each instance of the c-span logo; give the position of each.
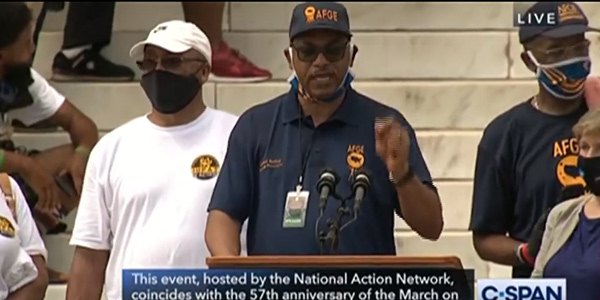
(521, 289)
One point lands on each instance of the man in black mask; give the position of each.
(148, 182)
(527, 157)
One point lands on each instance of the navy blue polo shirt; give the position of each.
(264, 161)
(524, 159)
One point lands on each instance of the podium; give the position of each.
(329, 261)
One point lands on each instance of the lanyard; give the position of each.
(304, 156)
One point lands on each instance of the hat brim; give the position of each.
(137, 51)
(320, 27)
(568, 30)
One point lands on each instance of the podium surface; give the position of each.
(329, 261)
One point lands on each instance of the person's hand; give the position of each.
(530, 250)
(392, 144)
(592, 91)
(43, 184)
(76, 167)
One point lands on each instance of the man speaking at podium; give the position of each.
(291, 160)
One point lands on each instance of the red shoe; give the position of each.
(229, 65)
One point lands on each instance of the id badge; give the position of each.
(296, 203)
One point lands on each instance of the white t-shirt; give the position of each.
(141, 199)
(46, 102)
(18, 242)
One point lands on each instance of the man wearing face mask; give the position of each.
(149, 181)
(527, 157)
(278, 150)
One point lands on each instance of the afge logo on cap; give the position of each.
(521, 289)
(313, 14)
(569, 11)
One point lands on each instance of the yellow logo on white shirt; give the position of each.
(6, 228)
(205, 167)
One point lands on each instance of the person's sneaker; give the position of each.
(89, 65)
(228, 65)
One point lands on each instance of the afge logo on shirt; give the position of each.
(521, 289)
(6, 228)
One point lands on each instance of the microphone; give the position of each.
(359, 188)
(326, 186)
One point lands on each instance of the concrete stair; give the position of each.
(448, 67)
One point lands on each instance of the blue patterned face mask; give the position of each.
(344, 85)
(564, 79)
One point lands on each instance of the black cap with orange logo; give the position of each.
(569, 20)
(319, 15)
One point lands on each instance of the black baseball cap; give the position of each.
(319, 15)
(569, 20)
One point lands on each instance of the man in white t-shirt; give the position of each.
(22, 251)
(148, 182)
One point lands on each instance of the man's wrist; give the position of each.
(399, 179)
(83, 150)
(523, 255)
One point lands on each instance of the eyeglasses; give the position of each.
(559, 53)
(309, 53)
(168, 63)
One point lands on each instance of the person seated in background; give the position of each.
(27, 97)
(89, 26)
(88, 29)
(228, 64)
(23, 255)
(571, 242)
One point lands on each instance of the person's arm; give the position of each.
(81, 129)
(32, 244)
(91, 233)
(87, 274)
(490, 212)
(52, 108)
(233, 193)
(35, 290)
(418, 200)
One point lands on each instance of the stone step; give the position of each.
(449, 155)
(56, 292)
(382, 55)
(407, 243)
(445, 105)
(456, 199)
(130, 16)
(364, 16)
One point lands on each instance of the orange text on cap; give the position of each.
(312, 14)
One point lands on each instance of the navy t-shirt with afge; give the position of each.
(524, 160)
(273, 144)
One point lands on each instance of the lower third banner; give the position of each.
(299, 284)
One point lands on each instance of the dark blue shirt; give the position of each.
(524, 159)
(578, 261)
(264, 160)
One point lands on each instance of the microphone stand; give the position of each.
(334, 226)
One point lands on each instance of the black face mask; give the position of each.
(18, 75)
(590, 167)
(168, 92)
